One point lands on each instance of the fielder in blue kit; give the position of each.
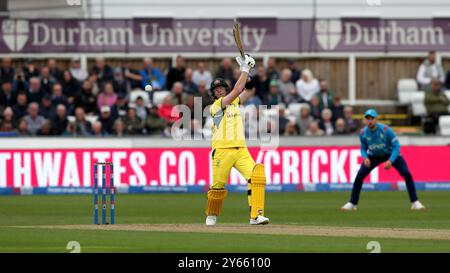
(380, 144)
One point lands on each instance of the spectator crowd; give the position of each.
(109, 101)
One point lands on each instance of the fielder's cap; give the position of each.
(105, 108)
(371, 112)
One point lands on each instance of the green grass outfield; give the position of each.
(377, 210)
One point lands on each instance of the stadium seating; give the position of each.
(294, 109)
(136, 93)
(444, 125)
(406, 88)
(418, 106)
(158, 96)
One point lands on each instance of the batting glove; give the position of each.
(245, 64)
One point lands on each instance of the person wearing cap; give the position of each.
(107, 119)
(274, 97)
(380, 144)
(77, 71)
(229, 148)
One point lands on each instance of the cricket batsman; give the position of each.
(229, 148)
(380, 144)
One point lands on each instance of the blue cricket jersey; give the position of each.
(380, 143)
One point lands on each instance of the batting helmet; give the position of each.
(216, 83)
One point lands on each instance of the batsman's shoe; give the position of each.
(211, 220)
(260, 220)
(349, 207)
(417, 206)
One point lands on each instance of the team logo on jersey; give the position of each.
(15, 34)
(328, 33)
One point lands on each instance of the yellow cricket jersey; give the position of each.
(228, 129)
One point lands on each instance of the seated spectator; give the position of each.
(429, 69)
(152, 75)
(119, 83)
(46, 129)
(325, 95)
(201, 75)
(203, 91)
(262, 83)
(236, 74)
(56, 73)
(447, 80)
(30, 70)
(7, 70)
(326, 123)
(47, 80)
(340, 128)
(71, 129)
(97, 130)
(296, 73)
(103, 71)
(178, 97)
(121, 106)
(253, 99)
(119, 128)
(7, 96)
(59, 122)
(165, 110)
(274, 97)
(307, 86)
(337, 108)
(133, 123)
(7, 122)
(82, 126)
(108, 97)
(272, 71)
(314, 129)
(291, 129)
(58, 96)
(70, 86)
(282, 120)
(19, 83)
(189, 87)
(95, 84)
(196, 131)
(190, 103)
(315, 110)
(33, 119)
(436, 103)
(35, 92)
(141, 108)
(132, 76)
(86, 99)
(175, 74)
(352, 126)
(107, 119)
(304, 120)
(76, 71)
(22, 128)
(225, 70)
(154, 123)
(287, 88)
(21, 108)
(46, 109)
